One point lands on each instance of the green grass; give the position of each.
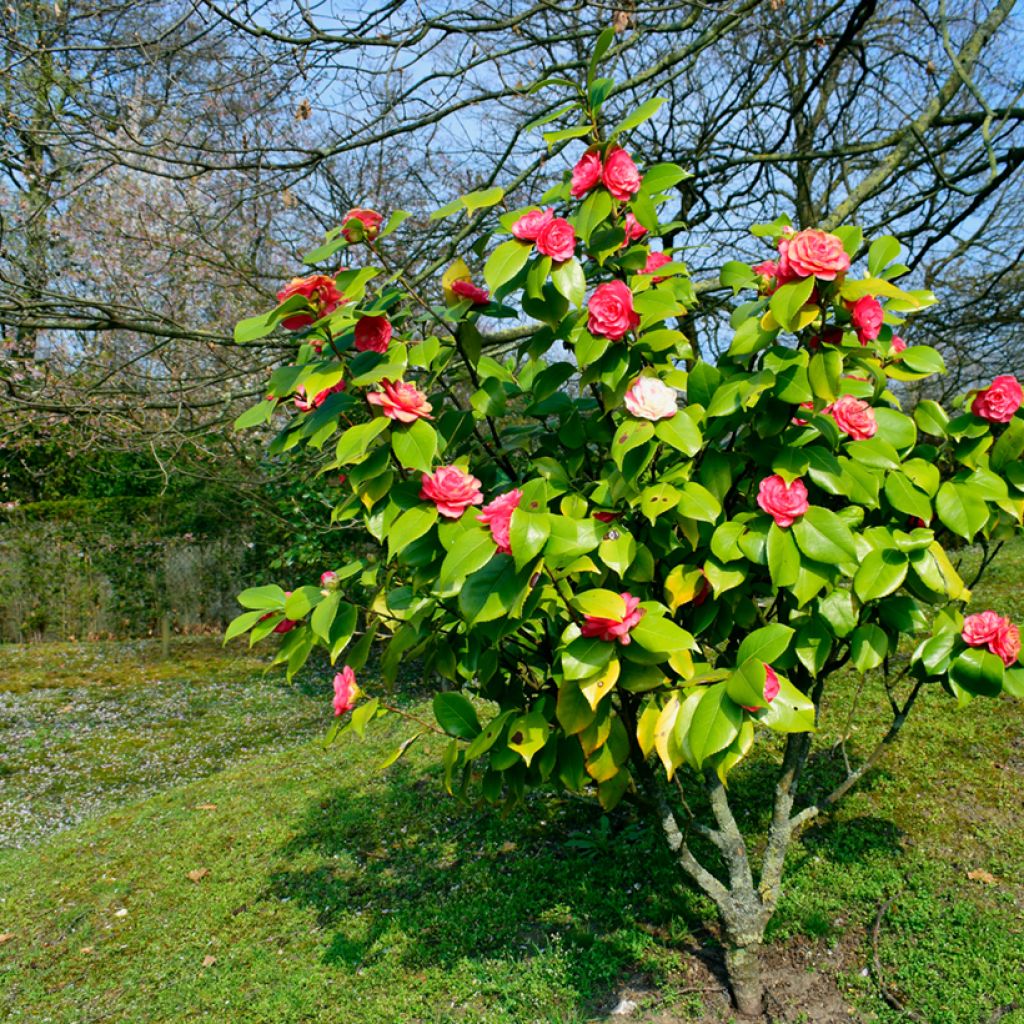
(337, 892)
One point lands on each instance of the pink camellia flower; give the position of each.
(557, 239)
(586, 174)
(651, 399)
(401, 401)
(346, 691)
(329, 580)
(373, 334)
(655, 261)
(830, 336)
(615, 629)
(801, 422)
(303, 403)
(785, 503)
(611, 310)
(812, 253)
(620, 175)
(360, 225)
(897, 344)
(285, 625)
(528, 227)
(999, 635)
(999, 401)
(771, 688)
(452, 490)
(867, 316)
(766, 268)
(854, 417)
(498, 516)
(467, 290)
(633, 228)
(321, 293)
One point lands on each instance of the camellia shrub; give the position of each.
(629, 563)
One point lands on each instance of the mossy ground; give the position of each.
(325, 890)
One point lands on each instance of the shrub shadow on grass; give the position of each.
(401, 871)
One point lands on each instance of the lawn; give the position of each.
(240, 871)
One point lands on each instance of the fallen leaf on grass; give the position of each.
(199, 874)
(206, 807)
(6, 937)
(87, 950)
(980, 875)
(209, 961)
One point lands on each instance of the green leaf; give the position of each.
(813, 644)
(323, 616)
(593, 212)
(659, 177)
(978, 672)
(506, 261)
(643, 113)
(714, 724)
(258, 414)
(788, 300)
(353, 444)
(868, 646)
(765, 644)
(527, 734)
(882, 252)
(493, 591)
(472, 551)
(415, 445)
(823, 536)
(905, 497)
(528, 533)
(746, 685)
(394, 222)
(410, 526)
(790, 711)
(737, 276)
(783, 557)
(922, 359)
(630, 435)
(568, 278)
(601, 46)
(880, 573)
(487, 736)
(697, 502)
(661, 635)
(605, 604)
(586, 657)
(483, 198)
(242, 624)
(958, 509)
(456, 716)
(263, 598)
(255, 327)
(681, 433)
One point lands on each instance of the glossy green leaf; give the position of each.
(456, 715)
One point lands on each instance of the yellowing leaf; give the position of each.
(682, 586)
(601, 685)
(458, 271)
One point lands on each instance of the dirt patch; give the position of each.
(802, 978)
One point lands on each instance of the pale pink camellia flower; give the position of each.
(303, 403)
(867, 316)
(611, 311)
(854, 417)
(467, 290)
(655, 261)
(452, 490)
(528, 227)
(785, 503)
(998, 634)
(615, 629)
(557, 239)
(771, 688)
(401, 401)
(999, 401)
(359, 225)
(651, 399)
(320, 292)
(812, 253)
(897, 344)
(346, 691)
(586, 174)
(633, 228)
(620, 174)
(373, 334)
(498, 516)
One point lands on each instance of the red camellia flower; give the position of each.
(867, 316)
(321, 293)
(607, 517)
(302, 402)
(812, 253)
(897, 344)
(346, 692)
(999, 635)
(557, 239)
(373, 334)
(498, 516)
(586, 174)
(452, 490)
(633, 228)
(528, 227)
(771, 688)
(615, 629)
(361, 225)
(999, 401)
(785, 503)
(611, 311)
(467, 290)
(285, 625)
(655, 261)
(401, 401)
(620, 175)
(854, 417)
